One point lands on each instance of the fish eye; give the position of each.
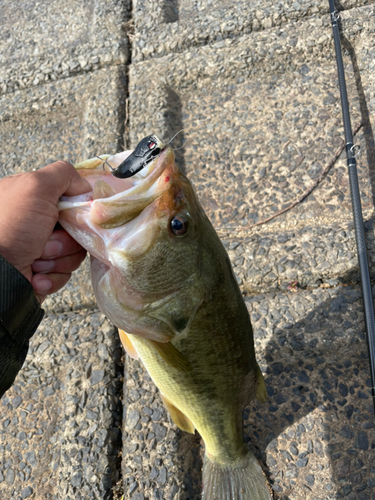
(179, 225)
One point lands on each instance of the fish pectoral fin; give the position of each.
(261, 393)
(128, 346)
(181, 420)
(171, 355)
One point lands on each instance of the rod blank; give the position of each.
(368, 304)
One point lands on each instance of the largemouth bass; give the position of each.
(162, 276)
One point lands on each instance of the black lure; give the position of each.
(149, 148)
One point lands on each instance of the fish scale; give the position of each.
(170, 289)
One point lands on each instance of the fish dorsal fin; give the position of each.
(128, 346)
(261, 393)
(171, 355)
(181, 420)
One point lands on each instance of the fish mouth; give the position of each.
(107, 188)
(119, 216)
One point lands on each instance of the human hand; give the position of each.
(28, 215)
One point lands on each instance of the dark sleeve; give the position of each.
(20, 315)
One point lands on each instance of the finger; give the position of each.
(45, 284)
(63, 179)
(60, 243)
(63, 265)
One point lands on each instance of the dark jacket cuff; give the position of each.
(20, 315)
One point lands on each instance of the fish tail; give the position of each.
(243, 480)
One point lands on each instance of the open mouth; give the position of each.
(98, 172)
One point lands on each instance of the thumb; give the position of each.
(61, 178)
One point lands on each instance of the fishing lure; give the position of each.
(149, 148)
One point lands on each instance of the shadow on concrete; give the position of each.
(174, 124)
(190, 464)
(170, 11)
(318, 364)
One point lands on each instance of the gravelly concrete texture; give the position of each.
(168, 26)
(47, 41)
(253, 86)
(60, 431)
(316, 432)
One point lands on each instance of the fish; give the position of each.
(162, 276)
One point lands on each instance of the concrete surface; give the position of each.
(316, 432)
(253, 86)
(48, 41)
(60, 433)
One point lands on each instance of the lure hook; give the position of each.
(105, 162)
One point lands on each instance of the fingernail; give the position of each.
(40, 266)
(52, 249)
(42, 286)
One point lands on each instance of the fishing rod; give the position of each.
(351, 152)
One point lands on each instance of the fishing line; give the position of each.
(184, 144)
(181, 147)
(175, 135)
(351, 153)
